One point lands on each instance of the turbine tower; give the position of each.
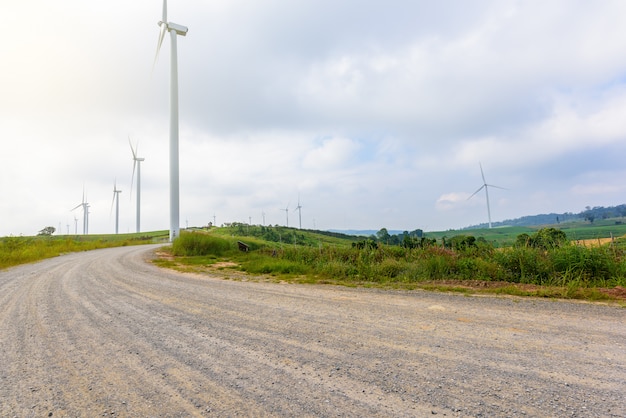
(85, 207)
(174, 30)
(116, 200)
(299, 209)
(486, 187)
(136, 164)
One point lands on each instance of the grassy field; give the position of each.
(505, 236)
(20, 250)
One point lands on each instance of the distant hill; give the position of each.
(363, 232)
(589, 214)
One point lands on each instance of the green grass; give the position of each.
(569, 271)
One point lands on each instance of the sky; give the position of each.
(369, 114)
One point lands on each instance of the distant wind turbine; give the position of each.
(174, 30)
(116, 200)
(287, 214)
(486, 187)
(85, 207)
(136, 164)
(299, 209)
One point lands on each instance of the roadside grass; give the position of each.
(21, 250)
(310, 257)
(570, 272)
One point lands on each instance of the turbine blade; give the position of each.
(482, 174)
(131, 148)
(132, 179)
(165, 11)
(497, 187)
(163, 26)
(473, 194)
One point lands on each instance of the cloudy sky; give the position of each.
(374, 114)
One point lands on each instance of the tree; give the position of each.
(383, 235)
(462, 242)
(545, 238)
(47, 231)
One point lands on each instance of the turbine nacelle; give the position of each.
(171, 26)
(168, 27)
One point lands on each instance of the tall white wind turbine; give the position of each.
(136, 164)
(174, 30)
(486, 187)
(116, 200)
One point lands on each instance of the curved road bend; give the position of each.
(104, 333)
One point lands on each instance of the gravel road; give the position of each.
(104, 333)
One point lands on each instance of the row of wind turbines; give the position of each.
(484, 186)
(298, 208)
(116, 195)
(175, 30)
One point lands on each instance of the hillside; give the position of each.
(588, 215)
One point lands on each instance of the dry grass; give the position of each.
(594, 242)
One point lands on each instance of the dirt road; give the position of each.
(104, 333)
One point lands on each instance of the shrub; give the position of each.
(389, 268)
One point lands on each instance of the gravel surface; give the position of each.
(104, 333)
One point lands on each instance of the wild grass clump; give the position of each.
(583, 266)
(200, 244)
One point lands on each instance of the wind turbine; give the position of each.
(287, 214)
(174, 30)
(85, 206)
(486, 187)
(116, 200)
(136, 164)
(299, 209)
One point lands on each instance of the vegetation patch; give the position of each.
(544, 263)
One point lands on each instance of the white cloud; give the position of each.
(331, 153)
(451, 200)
